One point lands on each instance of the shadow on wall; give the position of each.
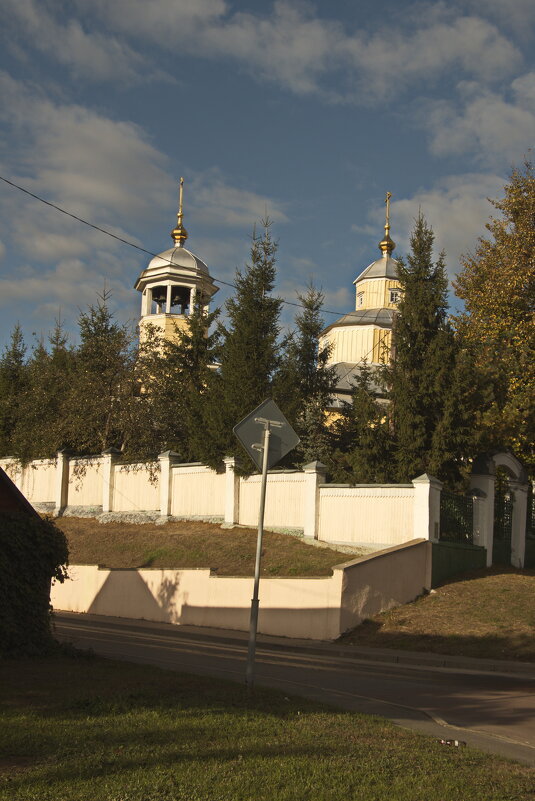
(125, 594)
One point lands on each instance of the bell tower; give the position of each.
(171, 283)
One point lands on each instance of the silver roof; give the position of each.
(381, 317)
(385, 267)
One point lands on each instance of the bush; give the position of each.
(33, 553)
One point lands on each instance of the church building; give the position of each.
(365, 335)
(171, 283)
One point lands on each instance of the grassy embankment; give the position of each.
(489, 614)
(229, 552)
(74, 729)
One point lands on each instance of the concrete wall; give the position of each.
(312, 608)
(370, 514)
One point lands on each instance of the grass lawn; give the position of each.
(230, 552)
(488, 614)
(87, 729)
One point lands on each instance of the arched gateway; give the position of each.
(500, 524)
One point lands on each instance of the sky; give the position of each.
(308, 112)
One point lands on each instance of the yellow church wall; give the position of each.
(375, 293)
(356, 343)
(164, 324)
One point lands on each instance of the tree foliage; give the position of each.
(304, 383)
(423, 368)
(497, 284)
(249, 350)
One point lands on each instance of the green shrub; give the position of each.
(33, 553)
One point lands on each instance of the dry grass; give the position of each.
(229, 552)
(489, 614)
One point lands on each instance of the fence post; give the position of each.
(166, 460)
(483, 487)
(232, 492)
(519, 491)
(426, 509)
(61, 490)
(109, 457)
(315, 474)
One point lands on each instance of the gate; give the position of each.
(529, 560)
(455, 552)
(503, 526)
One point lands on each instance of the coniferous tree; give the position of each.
(13, 380)
(42, 432)
(497, 285)
(249, 351)
(364, 452)
(174, 377)
(305, 383)
(420, 375)
(101, 382)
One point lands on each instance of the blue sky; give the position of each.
(309, 111)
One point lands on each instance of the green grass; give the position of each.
(192, 544)
(87, 729)
(489, 614)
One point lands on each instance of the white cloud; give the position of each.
(486, 124)
(219, 204)
(288, 43)
(456, 208)
(90, 55)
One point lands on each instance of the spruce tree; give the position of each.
(41, 432)
(363, 436)
(101, 382)
(305, 383)
(175, 377)
(249, 350)
(419, 377)
(13, 380)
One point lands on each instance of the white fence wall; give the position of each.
(85, 482)
(378, 515)
(197, 491)
(300, 500)
(286, 493)
(135, 488)
(38, 482)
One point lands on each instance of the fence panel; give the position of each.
(456, 518)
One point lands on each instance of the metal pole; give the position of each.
(249, 676)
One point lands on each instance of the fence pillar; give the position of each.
(426, 509)
(483, 487)
(519, 492)
(232, 492)
(315, 474)
(61, 489)
(109, 457)
(166, 460)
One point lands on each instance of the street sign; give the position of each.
(250, 432)
(267, 436)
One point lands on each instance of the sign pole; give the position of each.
(253, 625)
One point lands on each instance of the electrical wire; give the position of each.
(144, 250)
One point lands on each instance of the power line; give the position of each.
(144, 250)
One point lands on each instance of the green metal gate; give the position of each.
(529, 560)
(503, 527)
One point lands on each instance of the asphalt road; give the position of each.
(492, 711)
